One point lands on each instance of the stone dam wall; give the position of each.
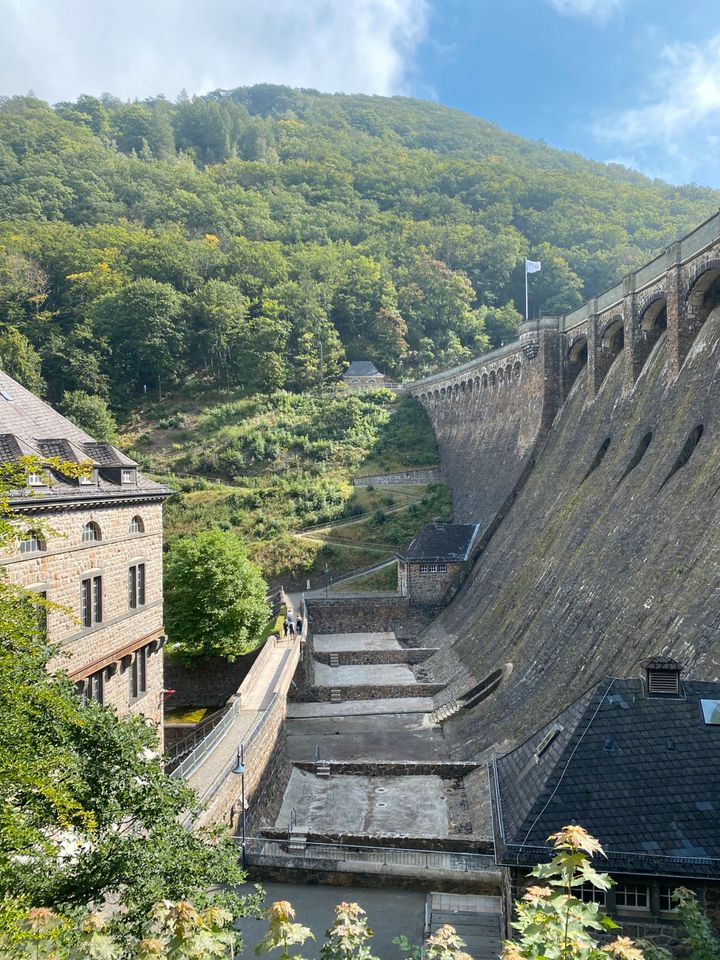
(489, 417)
(610, 552)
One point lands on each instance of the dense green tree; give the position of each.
(141, 325)
(91, 413)
(19, 358)
(214, 596)
(218, 314)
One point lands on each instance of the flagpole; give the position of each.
(526, 294)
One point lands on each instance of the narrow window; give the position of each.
(36, 480)
(132, 588)
(136, 525)
(136, 586)
(86, 612)
(442, 568)
(128, 476)
(138, 674)
(97, 599)
(42, 613)
(94, 687)
(424, 567)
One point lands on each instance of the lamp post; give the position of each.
(239, 769)
(327, 579)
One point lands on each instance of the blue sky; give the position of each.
(635, 81)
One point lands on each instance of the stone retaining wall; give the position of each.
(349, 657)
(479, 845)
(394, 768)
(207, 682)
(378, 692)
(368, 615)
(402, 478)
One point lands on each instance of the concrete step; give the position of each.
(335, 696)
(334, 659)
(322, 770)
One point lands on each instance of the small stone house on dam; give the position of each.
(636, 762)
(436, 562)
(93, 546)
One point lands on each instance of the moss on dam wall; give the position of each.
(591, 570)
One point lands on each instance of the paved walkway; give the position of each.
(357, 708)
(354, 642)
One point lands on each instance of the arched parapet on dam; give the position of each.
(674, 292)
(489, 415)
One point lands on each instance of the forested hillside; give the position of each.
(226, 239)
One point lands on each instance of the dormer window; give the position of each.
(128, 476)
(662, 676)
(36, 480)
(86, 481)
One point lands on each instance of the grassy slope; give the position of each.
(268, 467)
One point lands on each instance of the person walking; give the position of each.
(291, 627)
(285, 628)
(298, 626)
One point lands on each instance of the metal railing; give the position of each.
(353, 856)
(186, 767)
(184, 747)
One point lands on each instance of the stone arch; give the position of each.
(492, 378)
(652, 323)
(701, 297)
(508, 373)
(612, 335)
(517, 369)
(500, 376)
(576, 357)
(443, 393)
(436, 395)
(484, 381)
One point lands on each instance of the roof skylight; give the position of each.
(711, 712)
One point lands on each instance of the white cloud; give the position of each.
(673, 131)
(597, 10)
(60, 48)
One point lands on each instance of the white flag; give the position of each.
(532, 266)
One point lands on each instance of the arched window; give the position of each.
(33, 543)
(91, 532)
(136, 525)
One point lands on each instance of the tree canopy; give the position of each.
(214, 596)
(259, 238)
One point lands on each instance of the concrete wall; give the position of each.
(59, 569)
(207, 681)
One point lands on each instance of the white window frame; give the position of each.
(36, 480)
(127, 475)
(32, 544)
(632, 890)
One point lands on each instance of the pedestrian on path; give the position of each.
(291, 628)
(285, 628)
(298, 626)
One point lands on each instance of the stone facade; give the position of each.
(92, 545)
(428, 581)
(109, 647)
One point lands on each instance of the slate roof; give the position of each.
(642, 774)
(28, 426)
(362, 368)
(442, 541)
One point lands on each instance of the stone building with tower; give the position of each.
(93, 546)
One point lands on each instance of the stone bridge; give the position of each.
(492, 414)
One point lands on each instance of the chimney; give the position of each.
(662, 676)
